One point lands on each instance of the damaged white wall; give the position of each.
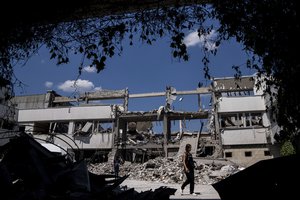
(66, 114)
(240, 104)
(246, 136)
(34, 119)
(93, 141)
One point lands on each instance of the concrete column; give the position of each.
(126, 100)
(49, 99)
(71, 128)
(122, 132)
(218, 137)
(167, 133)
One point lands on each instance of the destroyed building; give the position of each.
(239, 126)
(100, 127)
(243, 122)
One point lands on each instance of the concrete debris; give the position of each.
(169, 170)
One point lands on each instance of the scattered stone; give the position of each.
(168, 170)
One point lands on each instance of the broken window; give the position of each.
(83, 127)
(228, 154)
(231, 120)
(61, 127)
(103, 127)
(239, 120)
(253, 119)
(256, 119)
(267, 153)
(248, 153)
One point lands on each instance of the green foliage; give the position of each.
(99, 38)
(269, 29)
(287, 148)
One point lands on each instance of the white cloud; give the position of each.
(89, 69)
(80, 85)
(98, 88)
(193, 39)
(48, 84)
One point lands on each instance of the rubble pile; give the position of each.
(168, 170)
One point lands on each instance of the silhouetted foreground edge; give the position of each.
(274, 178)
(30, 171)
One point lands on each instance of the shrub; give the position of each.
(287, 148)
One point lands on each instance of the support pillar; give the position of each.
(167, 133)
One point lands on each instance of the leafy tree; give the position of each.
(100, 37)
(287, 148)
(267, 28)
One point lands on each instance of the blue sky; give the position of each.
(141, 68)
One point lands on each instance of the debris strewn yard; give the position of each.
(169, 170)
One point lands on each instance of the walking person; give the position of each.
(117, 162)
(188, 165)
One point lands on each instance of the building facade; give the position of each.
(243, 122)
(240, 126)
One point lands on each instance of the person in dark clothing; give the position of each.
(188, 165)
(117, 162)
